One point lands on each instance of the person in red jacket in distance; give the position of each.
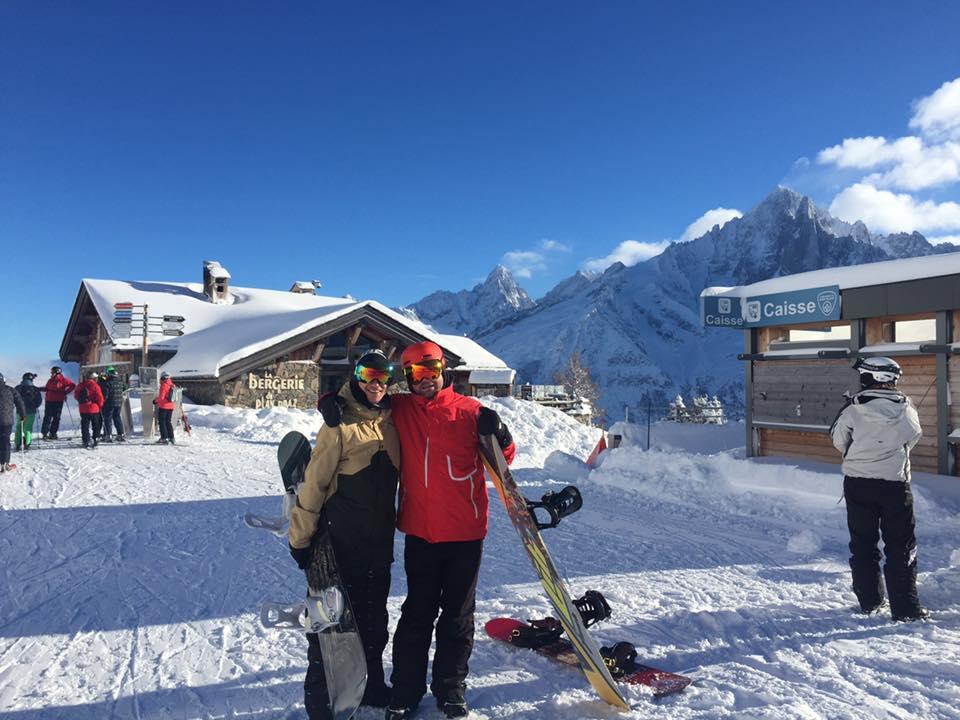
(443, 512)
(90, 398)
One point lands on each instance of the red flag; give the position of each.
(601, 446)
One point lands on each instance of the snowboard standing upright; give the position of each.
(327, 610)
(583, 645)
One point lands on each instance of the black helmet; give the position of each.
(90, 374)
(29, 376)
(877, 371)
(56, 370)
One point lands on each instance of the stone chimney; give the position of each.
(216, 282)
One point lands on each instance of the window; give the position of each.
(911, 331)
(827, 334)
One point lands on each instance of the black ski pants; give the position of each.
(111, 417)
(88, 422)
(367, 591)
(884, 508)
(441, 578)
(165, 422)
(51, 417)
(5, 431)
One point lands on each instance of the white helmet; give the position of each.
(876, 370)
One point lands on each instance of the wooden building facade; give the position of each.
(796, 374)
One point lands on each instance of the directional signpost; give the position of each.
(126, 325)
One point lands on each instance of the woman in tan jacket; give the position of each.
(349, 491)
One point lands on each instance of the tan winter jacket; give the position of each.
(346, 454)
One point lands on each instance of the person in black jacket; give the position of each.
(11, 410)
(113, 394)
(32, 400)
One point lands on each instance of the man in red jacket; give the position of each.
(443, 511)
(90, 398)
(57, 389)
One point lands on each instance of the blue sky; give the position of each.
(394, 149)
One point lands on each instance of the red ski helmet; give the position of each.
(421, 352)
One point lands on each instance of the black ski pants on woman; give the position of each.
(874, 508)
(367, 591)
(165, 423)
(441, 577)
(51, 417)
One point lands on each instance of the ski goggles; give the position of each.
(426, 370)
(366, 374)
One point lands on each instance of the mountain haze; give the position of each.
(638, 328)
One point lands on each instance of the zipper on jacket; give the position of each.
(426, 457)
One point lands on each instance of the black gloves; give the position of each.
(489, 423)
(329, 407)
(301, 556)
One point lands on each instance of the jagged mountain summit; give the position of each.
(470, 312)
(638, 328)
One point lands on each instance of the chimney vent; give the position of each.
(216, 282)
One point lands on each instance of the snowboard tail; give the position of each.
(583, 646)
(661, 682)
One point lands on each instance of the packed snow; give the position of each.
(131, 586)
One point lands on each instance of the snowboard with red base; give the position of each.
(582, 646)
(659, 681)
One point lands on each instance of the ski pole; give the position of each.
(73, 422)
(23, 441)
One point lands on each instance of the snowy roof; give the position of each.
(502, 376)
(851, 276)
(254, 319)
(475, 357)
(215, 269)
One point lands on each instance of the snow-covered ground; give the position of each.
(130, 586)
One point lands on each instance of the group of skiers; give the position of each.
(100, 397)
(426, 441)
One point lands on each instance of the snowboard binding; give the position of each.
(620, 659)
(557, 505)
(592, 607)
(324, 610)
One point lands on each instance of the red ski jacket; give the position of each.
(57, 388)
(443, 489)
(163, 395)
(94, 397)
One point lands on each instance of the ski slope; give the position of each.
(130, 586)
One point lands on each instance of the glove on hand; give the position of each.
(329, 407)
(301, 556)
(489, 423)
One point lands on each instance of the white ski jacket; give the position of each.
(875, 433)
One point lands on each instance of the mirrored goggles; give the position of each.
(427, 370)
(366, 374)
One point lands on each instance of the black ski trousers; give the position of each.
(441, 577)
(51, 417)
(111, 417)
(368, 591)
(88, 422)
(5, 431)
(165, 422)
(884, 508)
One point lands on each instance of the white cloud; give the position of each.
(885, 212)
(955, 239)
(938, 115)
(887, 195)
(629, 252)
(554, 246)
(524, 263)
(718, 216)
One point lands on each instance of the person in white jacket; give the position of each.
(875, 431)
